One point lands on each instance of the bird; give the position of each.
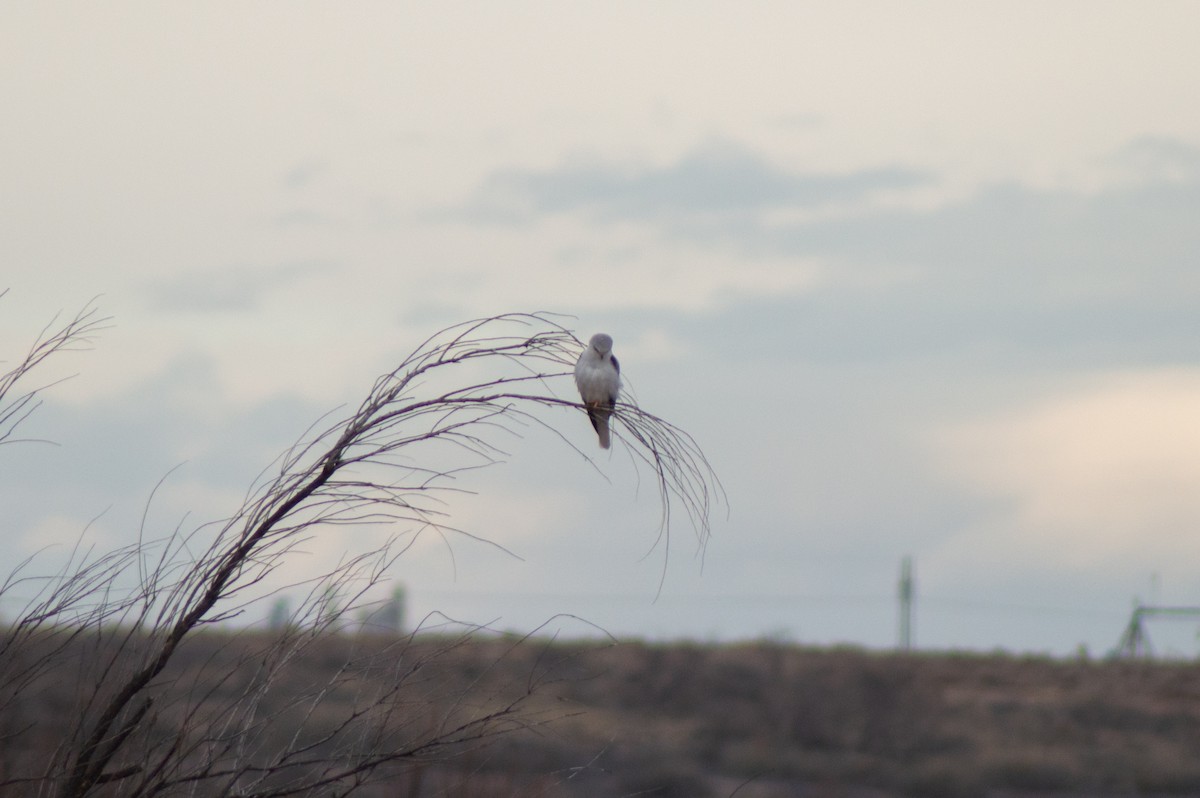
(598, 378)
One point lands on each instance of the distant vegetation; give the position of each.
(759, 720)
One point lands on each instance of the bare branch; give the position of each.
(75, 335)
(151, 724)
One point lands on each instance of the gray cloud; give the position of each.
(1012, 275)
(723, 179)
(1062, 278)
(1099, 245)
(107, 457)
(302, 217)
(1159, 158)
(238, 288)
(1057, 277)
(1097, 278)
(305, 173)
(1108, 277)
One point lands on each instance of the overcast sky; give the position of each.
(921, 279)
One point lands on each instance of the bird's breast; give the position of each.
(597, 382)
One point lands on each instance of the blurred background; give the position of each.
(921, 280)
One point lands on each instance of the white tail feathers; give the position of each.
(599, 417)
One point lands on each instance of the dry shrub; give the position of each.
(1032, 769)
(157, 707)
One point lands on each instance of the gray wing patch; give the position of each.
(612, 400)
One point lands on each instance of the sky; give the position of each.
(920, 279)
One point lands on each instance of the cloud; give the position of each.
(717, 180)
(1158, 159)
(1096, 277)
(63, 533)
(237, 288)
(301, 218)
(1101, 476)
(305, 173)
(175, 427)
(1125, 244)
(1009, 239)
(1083, 279)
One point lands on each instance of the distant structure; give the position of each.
(907, 591)
(388, 617)
(1135, 643)
(281, 615)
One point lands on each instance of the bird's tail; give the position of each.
(599, 417)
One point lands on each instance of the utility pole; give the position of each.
(906, 604)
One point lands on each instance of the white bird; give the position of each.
(598, 377)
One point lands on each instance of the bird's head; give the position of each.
(602, 343)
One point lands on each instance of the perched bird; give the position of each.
(598, 377)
